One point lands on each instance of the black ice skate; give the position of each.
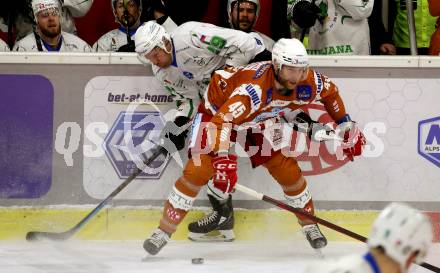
(216, 226)
(156, 242)
(314, 235)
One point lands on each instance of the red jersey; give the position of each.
(248, 94)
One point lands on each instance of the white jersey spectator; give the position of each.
(48, 35)
(127, 14)
(401, 236)
(3, 46)
(117, 39)
(336, 27)
(67, 43)
(70, 9)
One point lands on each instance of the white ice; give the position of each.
(129, 257)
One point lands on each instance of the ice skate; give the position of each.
(314, 235)
(216, 226)
(156, 242)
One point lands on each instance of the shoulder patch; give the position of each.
(260, 71)
(303, 92)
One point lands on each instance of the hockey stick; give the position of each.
(61, 236)
(154, 153)
(323, 222)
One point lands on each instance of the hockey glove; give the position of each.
(302, 122)
(179, 140)
(225, 172)
(353, 139)
(304, 14)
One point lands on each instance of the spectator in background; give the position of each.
(127, 14)
(434, 9)
(3, 46)
(381, 41)
(424, 23)
(242, 15)
(22, 13)
(401, 235)
(272, 14)
(48, 35)
(336, 27)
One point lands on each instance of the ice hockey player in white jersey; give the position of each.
(48, 36)
(184, 60)
(401, 235)
(243, 15)
(336, 27)
(3, 46)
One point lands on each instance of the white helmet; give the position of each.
(138, 3)
(402, 230)
(231, 3)
(148, 36)
(289, 52)
(42, 5)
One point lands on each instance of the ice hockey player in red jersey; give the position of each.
(254, 93)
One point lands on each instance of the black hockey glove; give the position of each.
(304, 14)
(265, 55)
(179, 140)
(130, 47)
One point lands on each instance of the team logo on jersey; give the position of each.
(130, 139)
(429, 140)
(303, 92)
(253, 94)
(260, 71)
(258, 41)
(189, 75)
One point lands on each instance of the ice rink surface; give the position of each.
(129, 257)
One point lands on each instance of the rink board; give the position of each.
(136, 224)
(73, 155)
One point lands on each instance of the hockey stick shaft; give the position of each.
(321, 221)
(154, 153)
(36, 235)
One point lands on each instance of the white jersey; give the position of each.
(113, 40)
(69, 43)
(198, 50)
(347, 264)
(3, 46)
(267, 41)
(344, 31)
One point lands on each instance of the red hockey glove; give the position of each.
(225, 175)
(353, 140)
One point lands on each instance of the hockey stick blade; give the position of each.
(321, 221)
(61, 236)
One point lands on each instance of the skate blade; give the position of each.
(319, 253)
(213, 236)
